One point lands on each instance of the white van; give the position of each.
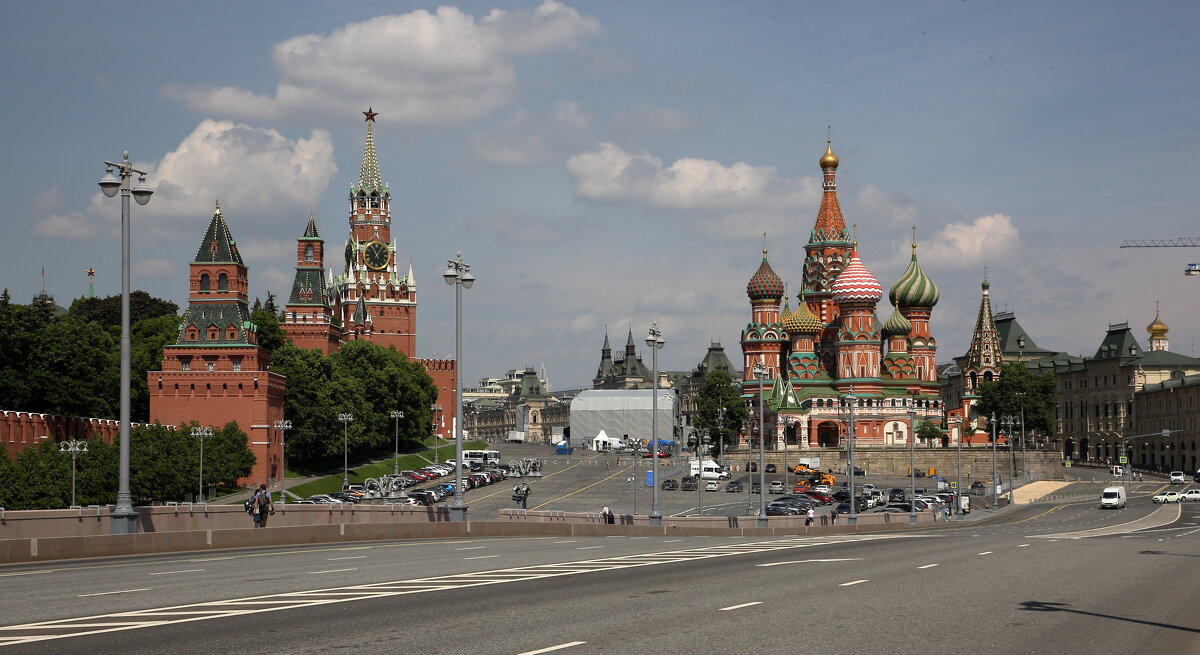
(709, 470)
(1112, 497)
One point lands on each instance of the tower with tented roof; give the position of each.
(309, 318)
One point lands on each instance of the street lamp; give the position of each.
(1011, 421)
(73, 446)
(283, 425)
(346, 418)
(124, 519)
(201, 433)
(852, 400)
(1024, 466)
(655, 341)
(760, 374)
(458, 273)
(396, 416)
(912, 463)
(436, 410)
(956, 422)
(698, 442)
(995, 487)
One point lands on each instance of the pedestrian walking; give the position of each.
(808, 518)
(833, 517)
(607, 513)
(260, 506)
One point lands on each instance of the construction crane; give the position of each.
(1181, 242)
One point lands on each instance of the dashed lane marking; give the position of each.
(851, 583)
(109, 593)
(806, 561)
(986, 552)
(738, 607)
(927, 566)
(482, 557)
(331, 571)
(174, 572)
(553, 648)
(157, 616)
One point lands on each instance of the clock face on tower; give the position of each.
(376, 255)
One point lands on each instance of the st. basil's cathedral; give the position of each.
(833, 346)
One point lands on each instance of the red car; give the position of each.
(824, 499)
(651, 455)
(800, 489)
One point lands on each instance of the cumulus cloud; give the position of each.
(644, 119)
(440, 67)
(255, 172)
(609, 173)
(970, 244)
(530, 137)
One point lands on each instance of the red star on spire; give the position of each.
(370, 114)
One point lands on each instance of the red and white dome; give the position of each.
(856, 284)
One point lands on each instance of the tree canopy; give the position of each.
(1017, 388)
(720, 409)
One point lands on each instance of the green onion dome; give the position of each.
(914, 288)
(896, 325)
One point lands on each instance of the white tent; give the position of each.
(624, 414)
(605, 442)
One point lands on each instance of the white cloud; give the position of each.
(644, 119)
(875, 202)
(530, 138)
(418, 67)
(49, 201)
(971, 244)
(256, 173)
(612, 174)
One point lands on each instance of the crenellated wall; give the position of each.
(20, 430)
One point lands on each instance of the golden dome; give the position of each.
(1157, 329)
(829, 160)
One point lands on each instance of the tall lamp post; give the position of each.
(346, 418)
(1011, 422)
(436, 410)
(201, 433)
(124, 519)
(852, 400)
(912, 463)
(458, 273)
(995, 487)
(760, 374)
(955, 423)
(396, 416)
(1024, 466)
(655, 341)
(283, 425)
(698, 442)
(73, 446)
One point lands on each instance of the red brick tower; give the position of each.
(308, 319)
(387, 313)
(216, 372)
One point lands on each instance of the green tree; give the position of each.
(270, 335)
(147, 338)
(227, 457)
(107, 311)
(8, 479)
(1017, 388)
(42, 478)
(928, 432)
(720, 409)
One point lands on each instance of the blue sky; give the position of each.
(617, 162)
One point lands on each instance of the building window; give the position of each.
(213, 333)
(204, 282)
(211, 366)
(222, 282)
(185, 364)
(308, 252)
(237, 363)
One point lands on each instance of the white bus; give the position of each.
(485, 457)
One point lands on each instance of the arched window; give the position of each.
(205, 284)
(374, 202)
(222, 282)
(231, 333)
(308, 252)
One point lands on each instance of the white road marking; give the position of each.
(174, 572)
(6, 575)
(927, 566)
(210, 559)
(852, 583)
(986, 552)
(671, 541)
(738, 607)
(1023, 546)
(334, 559)
(108, 593)
(471, 548)
(553, 648)
(331, 571)
(805, 561)
(565, 542)
(588, 547)
(481, 557)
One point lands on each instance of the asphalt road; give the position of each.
(1022, 581)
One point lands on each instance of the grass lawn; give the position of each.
(376, 469)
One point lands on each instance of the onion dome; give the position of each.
(896, 325)
(1157, 329)
(856, 284)
(914, 288)
(802, 321)
(765, 284)
(829, 160)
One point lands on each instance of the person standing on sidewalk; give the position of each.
(809, 516)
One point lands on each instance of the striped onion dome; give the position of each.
(802, 321)
(914, 288)
(765, 284)
(856, 284)
(896, 325)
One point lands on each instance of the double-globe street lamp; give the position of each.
(912, 463)
(655, 341)
(201, 433)
(700, 444)
(458, 273)
(995, 481)
(75, 447)
(852, 401)
(396, 416)
(124, 519)
(760, 374)
(1010, 421)
(346, 418)
(283, 425)
(954, 424)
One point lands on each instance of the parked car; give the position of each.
(1191, 495)
(1167, 497)
(784, 510)
(977, 488)
(824, 499)
(776, 487)
(752, 467)
(1176, 477)
(896, 495)
(734, 487)
(688, 484)
(822, 488)
(891, 510)
(841, 496)
(712, 485)
(661, 455)
(670, 485)
(770, 468)
(755, 488)
(801, 489)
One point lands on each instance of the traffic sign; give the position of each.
(1122, 460)
(1066, 465)
(953, 484)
